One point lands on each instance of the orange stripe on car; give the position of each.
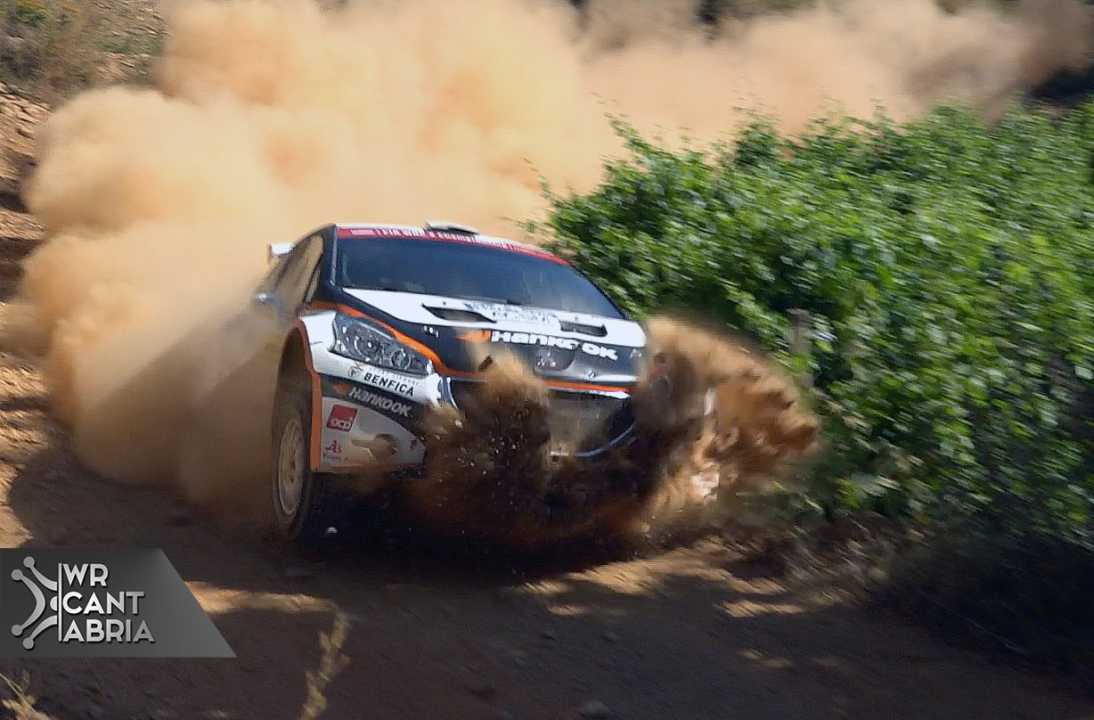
(405, 339)
(470, 336)
(565, 385)
(475, 336)
(316, 400)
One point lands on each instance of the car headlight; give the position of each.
(361, 340)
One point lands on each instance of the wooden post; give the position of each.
(801, 335)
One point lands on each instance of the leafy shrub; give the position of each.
(52, 46)
(947, 267)
(28, 12)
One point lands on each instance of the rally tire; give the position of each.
(303, 500)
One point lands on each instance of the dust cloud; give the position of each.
(269, 118)
(712, 420)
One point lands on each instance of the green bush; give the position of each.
(50, 47)
(948, 268)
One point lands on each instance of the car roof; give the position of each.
(447, 232)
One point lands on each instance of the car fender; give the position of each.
(302, 333)
(316, 335)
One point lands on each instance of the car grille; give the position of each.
(582, 421)
(579, 422)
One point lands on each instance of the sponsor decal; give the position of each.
(524, 338)
(382, 380)
(514, 313)
(341, 418)
(332, 451)
(340, 388)
(127, 603)
(378, 402)
(412, 232)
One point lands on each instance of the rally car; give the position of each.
(379, 323)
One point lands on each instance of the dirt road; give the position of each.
(432, 632)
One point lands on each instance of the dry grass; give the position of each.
(21, 703)
(332, 662)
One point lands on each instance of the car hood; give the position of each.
(440, 310)
(576, 347)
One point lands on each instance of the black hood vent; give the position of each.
(593, 330)
(457, 315)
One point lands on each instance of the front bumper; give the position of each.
(373, 418)
(583, 423)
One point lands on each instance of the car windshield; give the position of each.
(468, 271)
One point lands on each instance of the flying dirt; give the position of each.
(712, 419)
(270, 117)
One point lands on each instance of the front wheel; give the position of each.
(301, 497)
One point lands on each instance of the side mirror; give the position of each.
(277, 250)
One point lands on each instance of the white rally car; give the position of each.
(379, 323)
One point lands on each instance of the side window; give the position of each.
(300, 265)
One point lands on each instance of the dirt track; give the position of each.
(695, 633)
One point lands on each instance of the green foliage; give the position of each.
(51, 47)
(28, 12)
(949, 271)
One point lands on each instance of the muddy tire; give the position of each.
(302, 502)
